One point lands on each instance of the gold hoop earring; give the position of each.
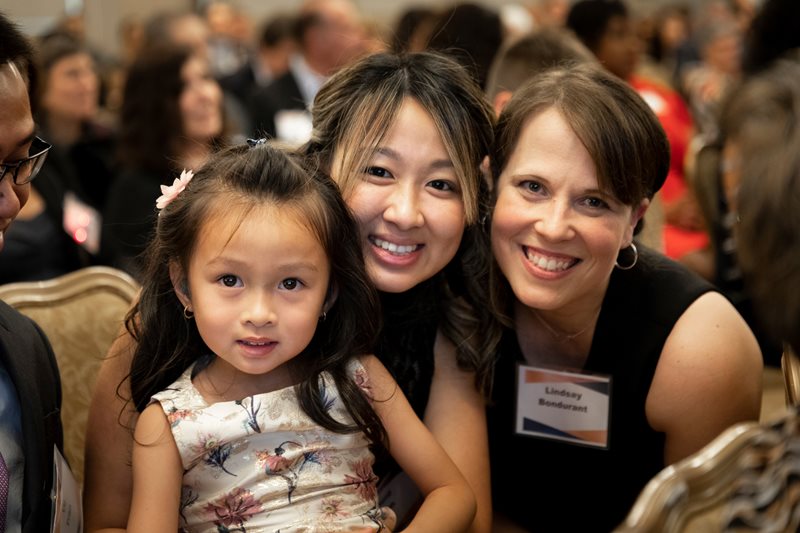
(188, 314)
(633, 263)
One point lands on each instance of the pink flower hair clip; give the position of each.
(170, 192)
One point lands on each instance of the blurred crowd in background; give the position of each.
(189, 82)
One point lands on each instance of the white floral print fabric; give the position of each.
(262, 465)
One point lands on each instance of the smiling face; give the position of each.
(555, 234)
(72, 88)
(16, 136)
(200, 101)
(408, 204)
(257, 290)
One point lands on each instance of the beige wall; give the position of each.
(34, 15)
(104, 16)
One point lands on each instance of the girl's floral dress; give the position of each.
(262, 465)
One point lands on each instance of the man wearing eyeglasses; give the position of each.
(30, 390)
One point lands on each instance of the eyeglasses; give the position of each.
(24, 170)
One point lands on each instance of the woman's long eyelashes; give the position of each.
(443, 185)
(379, 172)
(596, 203)
(532, 186)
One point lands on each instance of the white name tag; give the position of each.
(565, 406)
(67, 510)
(82, 223)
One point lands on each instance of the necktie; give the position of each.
(3, 493)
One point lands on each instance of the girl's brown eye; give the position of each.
(290, 284)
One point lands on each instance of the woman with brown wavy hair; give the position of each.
(171, 118)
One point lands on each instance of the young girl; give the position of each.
(259, 409)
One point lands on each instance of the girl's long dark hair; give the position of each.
(236, 180)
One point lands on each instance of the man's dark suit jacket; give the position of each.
(265, 102)
(29, 360)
